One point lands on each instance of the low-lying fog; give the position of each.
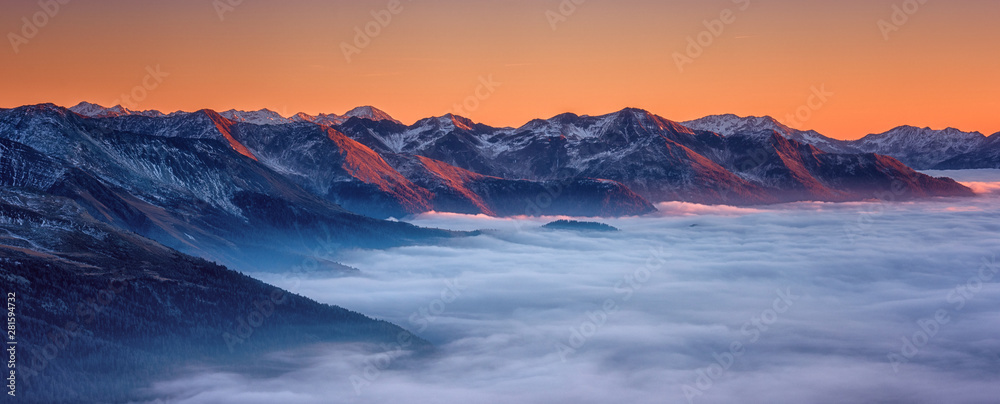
(874, 302)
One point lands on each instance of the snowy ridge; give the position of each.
(911, 137)
(259, 117)
(96, 111)
(368, 112)
(729, 124)
(921, 148)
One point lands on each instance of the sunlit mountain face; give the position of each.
(515, 201)
(619, 163)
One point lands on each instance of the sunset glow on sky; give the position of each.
(937, 68)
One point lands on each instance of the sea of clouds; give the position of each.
(868, 302)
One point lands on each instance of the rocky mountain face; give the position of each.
(922, 148)
(986, 155)
(356, 176)
(96, 111)
(795, 171)
(462, 191)
(919, 148)
(186, 181)
(729, 124)
(259, 117)
(657, 159)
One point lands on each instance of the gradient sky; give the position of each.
(939, 69)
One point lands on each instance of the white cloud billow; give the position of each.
(526, 290)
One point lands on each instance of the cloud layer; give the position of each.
(806, 302)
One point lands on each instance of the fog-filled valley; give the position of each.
(878, 301)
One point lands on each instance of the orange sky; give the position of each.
(939, 69)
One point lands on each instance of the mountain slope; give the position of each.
(647, 154)
(920, 148)
(259, 117)
(190, 184)
(370, 113)
(463, 191)
(986, 155)
(103, 313)
(793, 171)
(729, 124)
(331, 165)
(342, 170)
(96, 111)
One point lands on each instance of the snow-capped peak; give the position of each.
(922, 147)
(92, 110)
(369, 112)
(302, 117)
(88, 109)
(913, 135)
(446, 121)
(259, 117)
(729, 124)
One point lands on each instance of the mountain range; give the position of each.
(260, 117)
(115, 221)
(183, 181)
(254, 190)
(920, 148)
(610, 165)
